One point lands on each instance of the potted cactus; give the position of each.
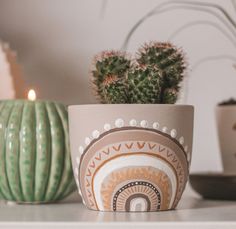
(132, 152)
(226, 125)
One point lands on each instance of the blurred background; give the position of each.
(56, 40)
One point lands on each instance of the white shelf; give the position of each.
(192, 212)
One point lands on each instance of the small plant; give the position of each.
(153, 77)
(230, 101)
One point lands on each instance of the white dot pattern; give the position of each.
(186, 148)
(87, 141)
(173, 133)
(95, 134)
(156, 125)
(77, 160)
(164, 129)
(107, 127)
(76, 172)
(133, 122)
(119, 122)
(144, 123)
(81, 149)
(181, 140)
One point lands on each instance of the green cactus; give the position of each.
(113, 90)
(170, 61)
(109, 75)
(144, 84)
(154, 77)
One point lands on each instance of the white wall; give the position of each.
(57, 39)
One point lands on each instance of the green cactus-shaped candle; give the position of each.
(153, 77)
(35, 164)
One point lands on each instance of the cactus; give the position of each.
(170, 61)
(144, 84)
(153, 77)
(109, 76)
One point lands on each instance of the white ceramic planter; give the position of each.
(226, 125)
(131, 157)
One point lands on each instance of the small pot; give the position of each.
(131, 157)
(226, 125)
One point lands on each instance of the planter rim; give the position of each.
(129, 105)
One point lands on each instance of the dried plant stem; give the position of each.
(103, 8)
(203, 22)
(199, 63)
(234, 4)
(213, 58)
(210, 5)
(197, 6)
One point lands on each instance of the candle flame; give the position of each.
(31, 95)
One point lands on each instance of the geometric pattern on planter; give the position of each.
(148, 196)
(135, 123)
(132, 168)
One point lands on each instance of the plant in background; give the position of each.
(153, 77)
(230, 101)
